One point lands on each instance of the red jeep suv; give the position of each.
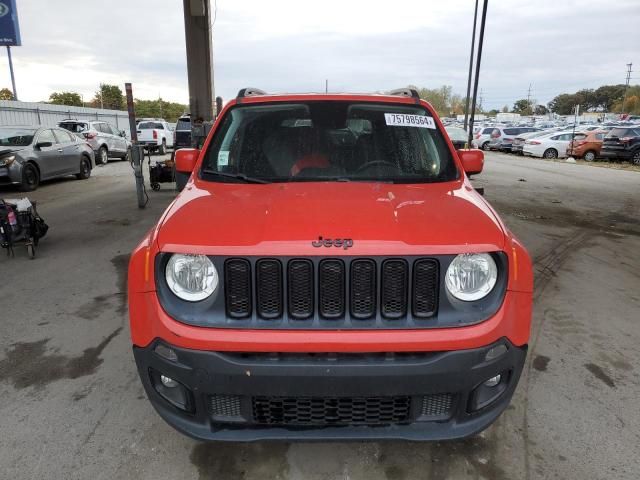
(329, 272)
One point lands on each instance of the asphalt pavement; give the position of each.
(72, 406)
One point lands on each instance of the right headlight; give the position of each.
(7, 160)
(471, 276)
(191, 277)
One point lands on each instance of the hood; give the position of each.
(285, 218)
(5, 150)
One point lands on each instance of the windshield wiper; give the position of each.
(236, 176)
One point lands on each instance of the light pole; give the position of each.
(473, 44)
(477, 75)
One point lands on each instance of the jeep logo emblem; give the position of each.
(336, 242)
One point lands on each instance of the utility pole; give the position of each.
(13, 79)
(626, 88)
(529, 99)
(480, 101)
(326, 86)
(473, 44)
(477, 75)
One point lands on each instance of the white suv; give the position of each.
(105, 139)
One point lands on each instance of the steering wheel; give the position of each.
(377, 163)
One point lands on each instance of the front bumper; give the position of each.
(11, 175)
(334, 381)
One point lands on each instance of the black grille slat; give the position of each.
(269, 288)
(331, 288)
(300, 289)
(331, 410)
(363, 289)
(425, 288)
(393, 290)
(237, 276)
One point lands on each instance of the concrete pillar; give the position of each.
(197, 30)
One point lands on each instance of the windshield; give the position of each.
(16, 137)
(183, 124)
(329, 141)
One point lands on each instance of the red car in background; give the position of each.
(329, 272)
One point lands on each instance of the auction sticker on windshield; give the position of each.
(406, 120)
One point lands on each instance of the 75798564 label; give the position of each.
(407, 120)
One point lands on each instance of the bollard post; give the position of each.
(137, 155)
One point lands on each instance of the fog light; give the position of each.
(171, 383)
(492, 382)
(172, 391)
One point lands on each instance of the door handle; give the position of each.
(60, 150)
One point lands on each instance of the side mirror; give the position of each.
(185, 159)
(472, 160)
(40, 145)
(123, 134)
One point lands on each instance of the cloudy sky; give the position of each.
(358, 45)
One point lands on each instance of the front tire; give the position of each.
(85, 169)
(550, 153)
(162, 149)
(103, 155)
(485, 146)
(30, 178)
(127, 156)
(636, 158)
(589, 156)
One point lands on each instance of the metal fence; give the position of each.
(28, 113)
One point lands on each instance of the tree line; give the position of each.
(111, 97)
(607, 98)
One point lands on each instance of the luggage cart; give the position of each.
(20, 224)
(161, 172)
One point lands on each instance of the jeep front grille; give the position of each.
(319, 292)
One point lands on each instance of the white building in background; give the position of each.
(507, 117)
(479, 117)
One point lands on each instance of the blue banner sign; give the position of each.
(9, 28)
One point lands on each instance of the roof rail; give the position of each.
(250, 92)
(405, 92)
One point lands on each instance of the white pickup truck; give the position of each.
(156, 135)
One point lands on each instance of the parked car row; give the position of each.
(590, 142)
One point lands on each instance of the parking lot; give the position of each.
(72, 405)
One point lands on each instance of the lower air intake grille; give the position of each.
(437, 405)
(331, 410)
(224, 405)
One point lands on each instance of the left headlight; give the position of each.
(191, 277)
(6, 161)
(471, 276)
